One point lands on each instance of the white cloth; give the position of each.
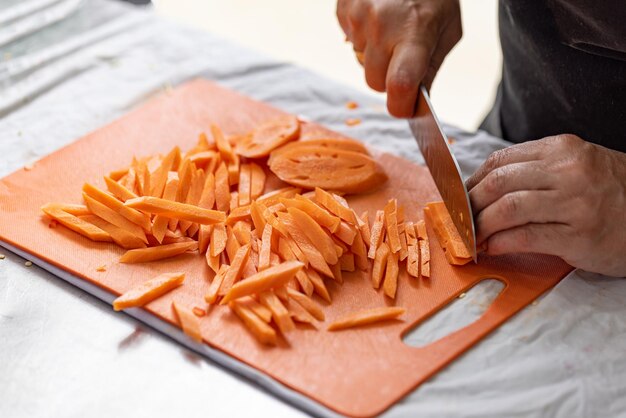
(68, 67)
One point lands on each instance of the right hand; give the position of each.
(404, 42)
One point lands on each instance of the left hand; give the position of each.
(559, 195)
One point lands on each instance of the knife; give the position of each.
(444, 168)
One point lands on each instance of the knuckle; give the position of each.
(510, 204)
(495, 181)
(493, 161)
(401, 83)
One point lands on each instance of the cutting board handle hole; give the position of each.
(457, 314)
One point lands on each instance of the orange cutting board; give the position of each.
(358, 372)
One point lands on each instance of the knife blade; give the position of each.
(444, 168)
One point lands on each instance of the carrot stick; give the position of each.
(189, 322)
(365, 317)
(160, 177)
(273, 197)
(159, 226)
(329, 202)
(412, 262)
(299, 314)
(212, 293)
(424, 248)
(266, 248)
(447, 234)
(380, 264)
(305, 283)
(119, 191)
(318, 284)
(120, 236)
(337, 275)
(76, 224)
(346, 261)
(222, 188)
(207, 198)
(177, 210)
(115, 218)
(377, 235)
(360, 252)
(242, 213)
(218, 239)
(143, 178)
(233, 171)
(234, 272)
(232, 245)
(256, 213)
(315, 234)
(346, 232)
(72, 209)
(262, 331)
(204, 236)
(365, 228)
(258, 181)
(245, 184)
(242, 230)
(307, 303)
(264, 280)
(391, 223)
(223, 146)
(321, 216)
(390, 285)
(148, 291)
(111, 202)
(144, 255)
(116, 175)
(279, 311)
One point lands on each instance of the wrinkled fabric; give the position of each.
(65, 353)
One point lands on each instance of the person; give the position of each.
(563, 81)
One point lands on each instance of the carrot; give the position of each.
(242, 231)
(404, 252)
(324, 142)
(378, 233)
(266, 248)
(412, 262)
(318, 284)
(76, 224)
(212, 293)
(182, 211)
(199, 312)
(111, 202)
(390, 285)
(144, 255)
(380, 264)
(424, 249)
(222, 188)
(143, 178)
(242, 213)
(223, 145)
(273, 197)
(360, 252)
(331, 169)
(391, 224)
(262, 331)
(258, 178)
(364, 227)
(188, 321)
(346, 232)
(245, 184)
(203, 158)
(321, 216)
(337, 275)
(207, 198)
(269, 136)
(299, 314)
(148, 291)
(366, 317)
(115, 218)
(232, 245)
(307, 303)
(235, 270)
(346, 261)
(116, 175)
(260, 310)
(315, 234)
(120, 236)
(159, 226)
(328, 201)
(305, 283)
(448, 236)
(160, 177)
(316, 259)
(218, 239)
(129, 180)
(264, 280)
(119, 191)
(233, 171)
(279, 311)
(249, 269)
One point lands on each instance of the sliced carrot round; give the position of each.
(327, 142)
(331, 169)
(269, 136)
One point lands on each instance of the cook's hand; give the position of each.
(559, 195)
(403, 43)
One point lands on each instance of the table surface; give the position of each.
(68, 67)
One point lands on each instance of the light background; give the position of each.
(306, 32)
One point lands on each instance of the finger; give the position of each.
(527, 151)
(549, 238)
(451, 35)
(342, 16)
(517, 209)
(357, 20)
(509, 178)
(376, 62)
(407, 67)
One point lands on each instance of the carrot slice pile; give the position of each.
(148, 291)
(269, 252)
(366, 317)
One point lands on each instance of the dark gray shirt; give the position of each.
(564, 71)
